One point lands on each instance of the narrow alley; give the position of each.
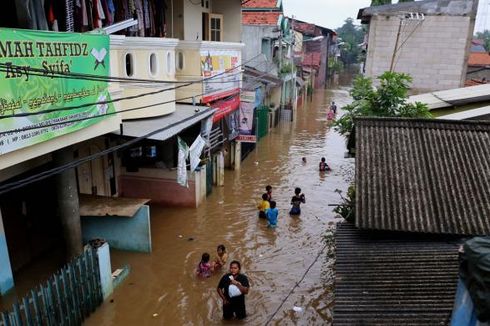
(162, 287)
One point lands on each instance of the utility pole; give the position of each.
(68, 205)
(396, 45)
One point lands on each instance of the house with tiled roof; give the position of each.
(266, 33)
(478, 70)
(313, 49)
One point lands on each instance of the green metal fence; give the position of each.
(66, 298)
(262, 121)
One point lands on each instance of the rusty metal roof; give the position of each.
(393, 279)
(423, 175)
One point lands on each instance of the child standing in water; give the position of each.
(272, 214)
(263, 206)
(323, 166)
(204, 268)
(268, 189)
(296, 201)
(222, 257)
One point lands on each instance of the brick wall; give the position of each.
(434, 52)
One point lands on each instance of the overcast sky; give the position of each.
(332, 13)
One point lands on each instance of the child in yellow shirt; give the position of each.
(263, 206)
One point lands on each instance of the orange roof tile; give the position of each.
(260, 18)
(479, 59)
(260, 4)
(472, 82)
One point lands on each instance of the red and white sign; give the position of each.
(247, 138)
(225, 107)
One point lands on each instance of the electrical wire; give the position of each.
(92, 77)
(24, 114)
(295, 285)
(48, 173)
(109, 113)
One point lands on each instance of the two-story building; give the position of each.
(109, 130)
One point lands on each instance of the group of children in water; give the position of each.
(267, 207)
(207, 267)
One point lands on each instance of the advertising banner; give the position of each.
(246, 126)
(31, 63)
(222, 62)
(246, 118)
(225, 107)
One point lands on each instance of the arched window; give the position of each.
(129, 65)
(153, 64)
(180, 60)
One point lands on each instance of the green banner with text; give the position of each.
(40, 82)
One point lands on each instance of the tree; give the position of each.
(380, 2)
(351, 36)
(485, 36)
(387, 100)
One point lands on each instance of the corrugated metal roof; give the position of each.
(185, 115)
(423, 175)
(393, 279)
(451, 97)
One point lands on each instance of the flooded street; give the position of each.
(162, 288)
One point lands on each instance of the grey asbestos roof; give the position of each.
(427, 7)
(393, 279)
(423, 175)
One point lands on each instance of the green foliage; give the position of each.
(485, 36)
(335, 66)
(351, 36)
(380, 2)
(347, 209)
(389, 99)
(286, 68)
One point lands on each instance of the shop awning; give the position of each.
(109, 206)
(261, 76)
(225, 107)
(185, 115)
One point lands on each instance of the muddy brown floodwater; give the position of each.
(162, 288)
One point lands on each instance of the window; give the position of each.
(216, 27)
(180, 60)
(153, 64)
(129, 64)
(169, 63)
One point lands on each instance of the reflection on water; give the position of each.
(162, 287)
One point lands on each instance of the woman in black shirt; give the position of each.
(232, 289)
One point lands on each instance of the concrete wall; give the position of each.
(252, 36)
(159, 185)
(132, 233)
(434, 52)
(232, 18)
(141, 51)
(193, 19)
